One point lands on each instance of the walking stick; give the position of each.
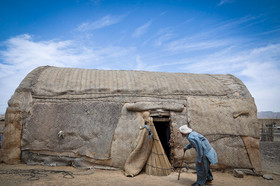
(181, 165)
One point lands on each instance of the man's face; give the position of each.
(183, 135)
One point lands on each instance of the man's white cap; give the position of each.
(185, 129)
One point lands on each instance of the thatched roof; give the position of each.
(54, 82)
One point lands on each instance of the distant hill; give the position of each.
(269, 114)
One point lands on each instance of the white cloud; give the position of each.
(262, 69)
(222, 2)
(188, 44)
(142, 29)
(163, 36)
(212, 37)
(256, 65)
(140, 65)
(212, 50)
(258, 68)
(22, 54)
(22, 51)
(105, 21)
(264, 84)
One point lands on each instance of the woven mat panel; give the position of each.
(88, 128)
(158, 163)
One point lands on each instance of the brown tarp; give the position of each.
(138, 157)
(149, 152)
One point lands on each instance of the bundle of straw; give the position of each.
(158, 163)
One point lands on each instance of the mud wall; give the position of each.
(230, 125)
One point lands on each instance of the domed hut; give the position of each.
(70, 116)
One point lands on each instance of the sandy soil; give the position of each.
(45, 175)
(270, 154)
(110, 177)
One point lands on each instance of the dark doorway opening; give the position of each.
(163, 131)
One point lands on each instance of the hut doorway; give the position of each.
(161, 121)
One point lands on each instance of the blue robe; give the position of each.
(205, 154)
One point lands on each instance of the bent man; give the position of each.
(205, 154)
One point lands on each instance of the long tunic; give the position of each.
(202, 147)
(205, 155)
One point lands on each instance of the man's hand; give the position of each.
(199, 163)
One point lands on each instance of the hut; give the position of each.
(69, 116)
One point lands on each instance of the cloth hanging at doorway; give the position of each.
(138, 157)
(149, 152)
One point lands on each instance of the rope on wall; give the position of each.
(36, 174)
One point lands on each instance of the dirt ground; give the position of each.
(11, 175)
(270, 153)
(117, 178)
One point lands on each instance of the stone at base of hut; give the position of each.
(238, 174)
(267, 177)
(184, 170)
(249, 172)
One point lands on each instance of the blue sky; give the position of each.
(193, 36)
